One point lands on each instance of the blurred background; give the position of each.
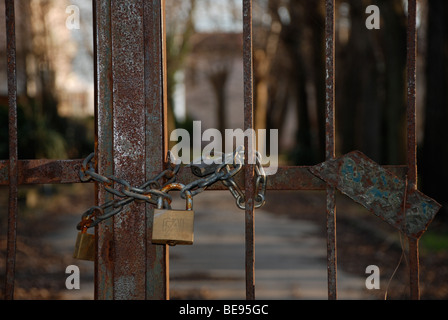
(205, 82)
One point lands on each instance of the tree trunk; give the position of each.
(357, 93)
(434, 171)
(394, 33)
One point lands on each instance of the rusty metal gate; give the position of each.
(131, 143)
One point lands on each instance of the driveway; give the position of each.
(290, 256)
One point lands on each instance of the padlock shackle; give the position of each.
(87, 221)
(176, 186)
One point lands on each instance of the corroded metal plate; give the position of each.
(380, 191)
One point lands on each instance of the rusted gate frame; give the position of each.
(120, 29)
(330, 147)
(248, 168)
(13, 156)
(411, 146)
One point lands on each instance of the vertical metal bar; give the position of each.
(13, 154)
(104, 264)
(157, 269)
(129, 145)
(411, 136)
(330, 147)
(411, 94)
(249, 167)
(124, 123)
(414, 269)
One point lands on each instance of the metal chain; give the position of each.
(224, 173)
(260, 182)
(150, 191)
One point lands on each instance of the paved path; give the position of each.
(290, 256)
(290, 261)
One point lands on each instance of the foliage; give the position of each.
(40, 138)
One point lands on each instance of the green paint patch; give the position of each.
(434, 241)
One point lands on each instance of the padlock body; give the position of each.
(85, 247)
(173, 227)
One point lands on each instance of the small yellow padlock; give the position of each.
(85, 246)
(173, 226)
(85, 243)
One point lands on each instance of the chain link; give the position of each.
(230, 165)
(148, 192)
(151, 191)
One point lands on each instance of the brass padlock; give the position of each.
(173, 226)
(85, 246)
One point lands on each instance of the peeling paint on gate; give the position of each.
(380, 191)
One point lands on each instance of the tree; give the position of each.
(289, 61)
(217, 77)
(180, 28)
(434, 172)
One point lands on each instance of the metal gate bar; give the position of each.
(13, 154)
(330, 147)
(132, 143)
(128, 108)
(249, 168)
(45, 171)
(104, 146)
(411, 63)
(157, 256)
